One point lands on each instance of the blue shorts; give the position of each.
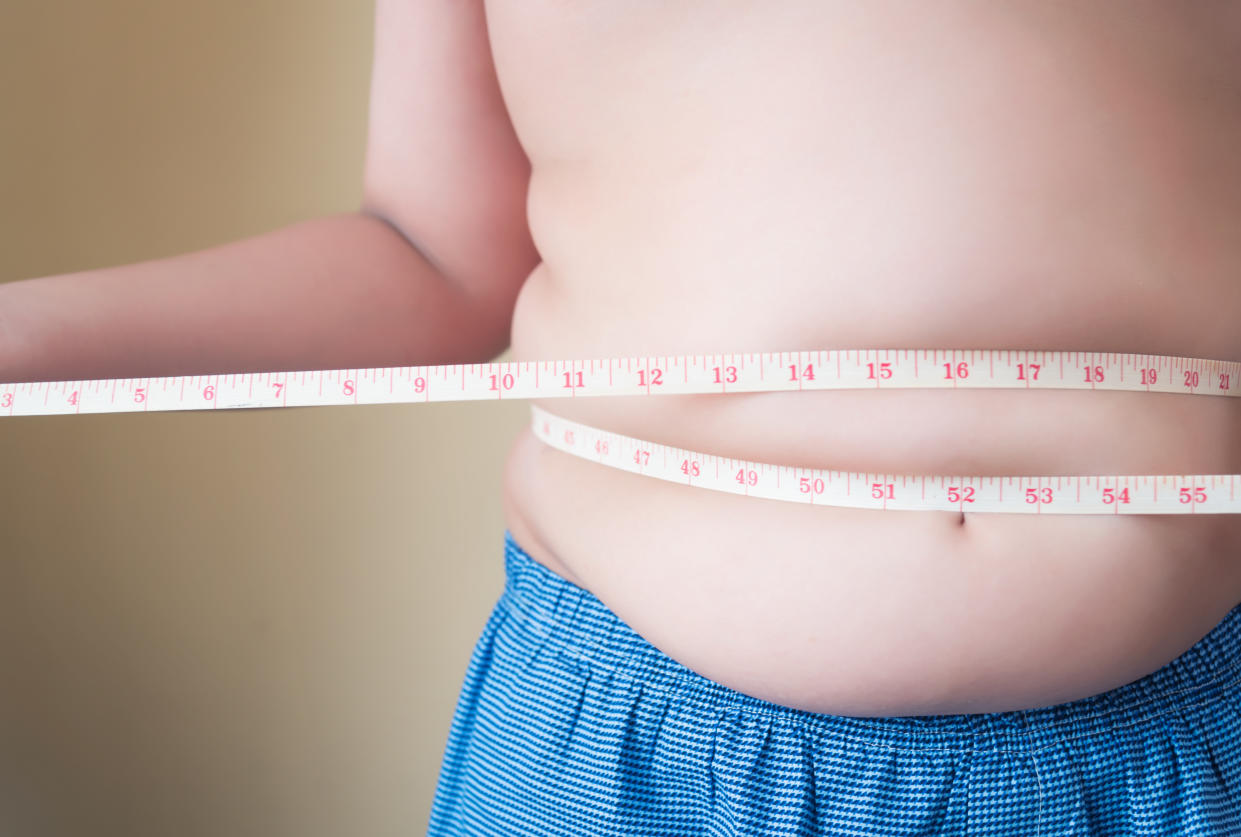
(569, 723)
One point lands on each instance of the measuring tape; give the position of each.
(725, 373)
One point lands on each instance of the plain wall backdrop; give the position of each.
(236, 623)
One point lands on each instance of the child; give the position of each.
(595, 180)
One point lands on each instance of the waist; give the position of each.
(863, 612)
(866, 612)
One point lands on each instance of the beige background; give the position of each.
(242, 623)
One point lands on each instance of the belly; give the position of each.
(891, 613)
(742, 222)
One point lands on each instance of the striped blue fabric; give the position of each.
(569, 723)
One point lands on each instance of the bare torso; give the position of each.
(730, 176)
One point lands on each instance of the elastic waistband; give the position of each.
(578, 623)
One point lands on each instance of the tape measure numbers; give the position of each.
(1185, 494)
(724, 373)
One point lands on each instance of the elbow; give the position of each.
(374, 213)
(495, 327)
(488, 285)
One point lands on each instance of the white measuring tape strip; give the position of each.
(724, 373)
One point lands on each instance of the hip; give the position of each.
(570, 723)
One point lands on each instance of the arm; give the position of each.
(426, 272)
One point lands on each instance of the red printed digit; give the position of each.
(747, 477)
(420, 384)
(1094, 374)
(725, 375)
(1194, 495)
(958, 494)
(807, 373)
(1223, 380)
(1149, 376)
(7, 401)
(1033, 369)
(568, 437)
(1039, 495)
(73, 399)
(1191, 380)
(962, 370)
(349, 387)
(209, 393)
(642, 457)
(882, 491)
(689, 468)
(657, 377)
(140, 395)
(601, 447)
(885, 370)
(279, 388)
(1110, 496)
(809, 487)
(506, 381)
(568, 380)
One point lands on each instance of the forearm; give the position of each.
(344, 291)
